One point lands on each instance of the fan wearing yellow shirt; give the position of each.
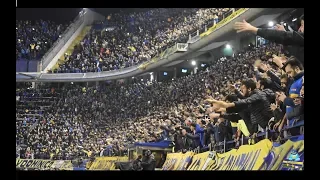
(32, 45)
(33, 52)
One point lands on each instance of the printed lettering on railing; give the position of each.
(182, 46)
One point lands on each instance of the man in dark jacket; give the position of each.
(265, 86)
(187, 143)
(256, 102)
(197, 135)
(136, 165)
(148, 161)
(245, 113)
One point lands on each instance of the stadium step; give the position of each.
(70, 49)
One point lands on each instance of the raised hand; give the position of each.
(280, 27)
(244, 27)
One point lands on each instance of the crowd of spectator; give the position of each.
(35, 38)
(124, 40)
(87, 121)
(257, 90)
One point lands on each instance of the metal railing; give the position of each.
(211, 22)
(93, 75)
(59, 43)
(196, 33)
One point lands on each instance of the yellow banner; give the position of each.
(106, 163)
(260, 156)
(184, 161)
(63, 165)
(199, 160)
(171, 161)
(287, 156)
(247, 157)
(44, 164)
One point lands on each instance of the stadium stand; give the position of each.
(124, 40)
(33, 40)
(244, 112)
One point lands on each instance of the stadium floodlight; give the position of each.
(228, 46)
(270, 23)
(193, 63)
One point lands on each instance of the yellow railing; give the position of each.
(224, 21)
